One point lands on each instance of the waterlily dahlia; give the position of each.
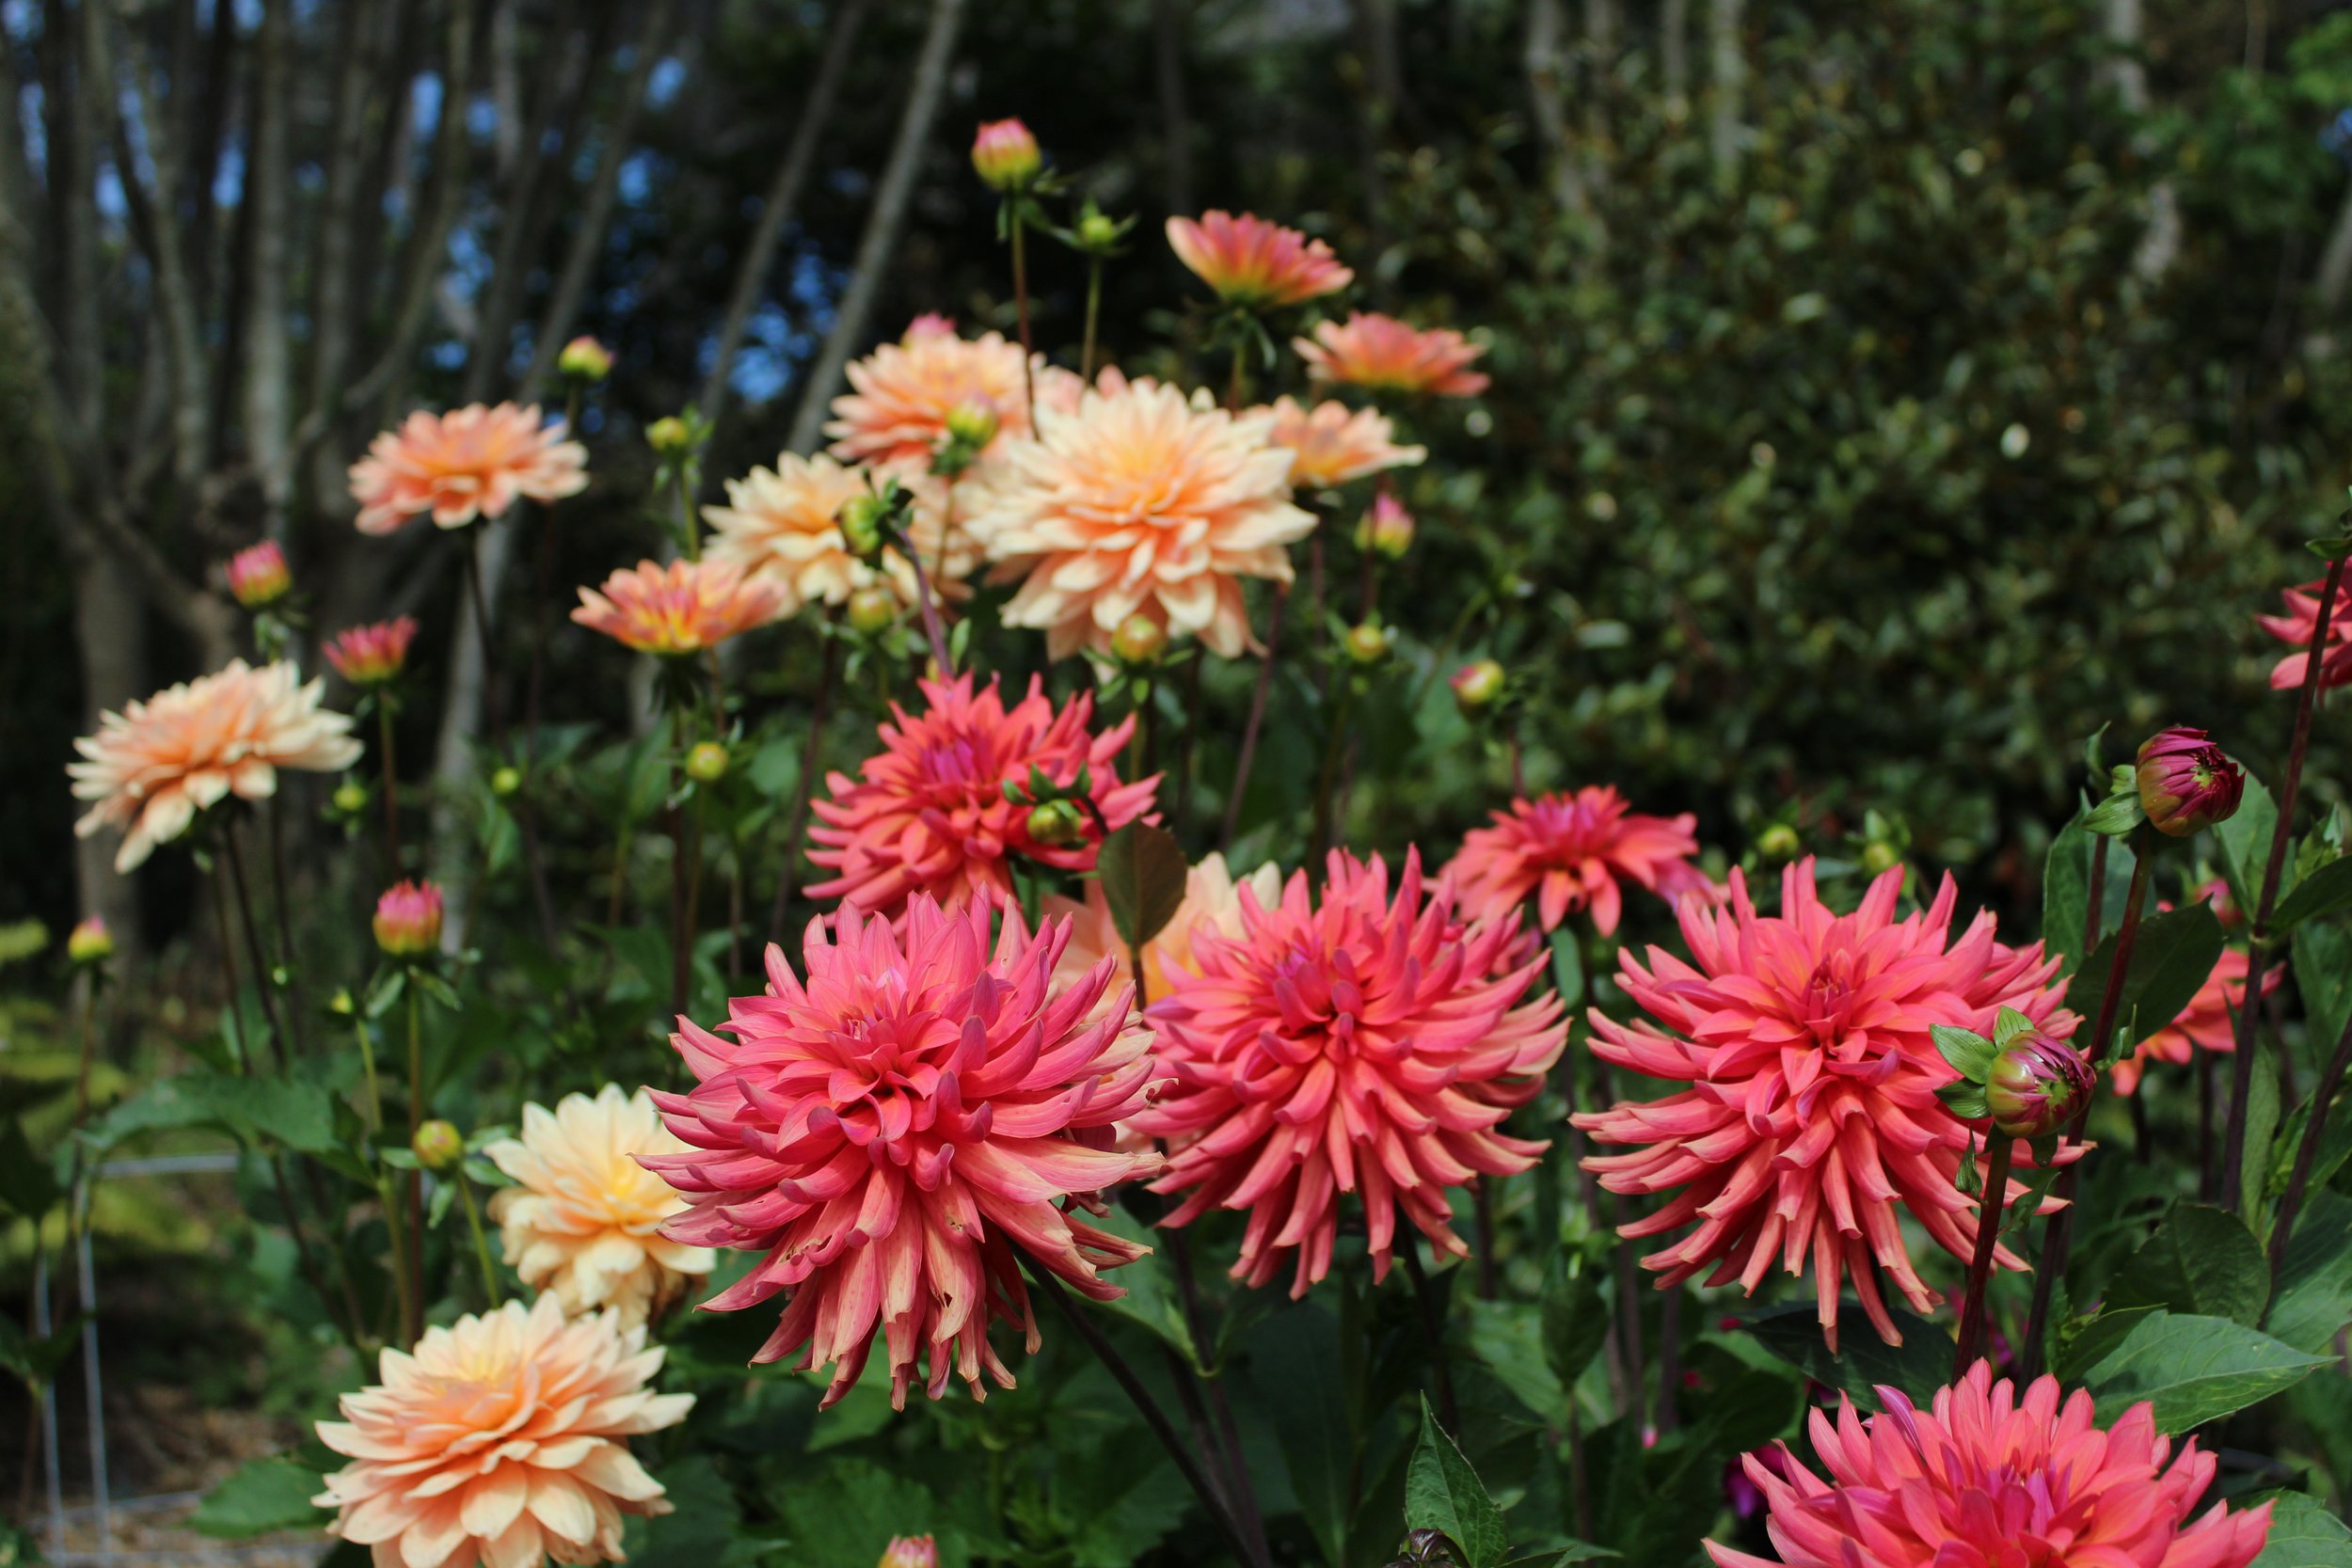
(1332, 443)
(501, 1439)
(1384, 354)
(785, 523)
(1811, 1125)
(371, 655)
(928, 813)
(1253, 265)
(680, 609)
(2301, 623)
(1140, 501)
(1364, 1042)
(1569, 850)
(582, 1221)
(897, 1133)
(470, 462)
(1212, 906)
(895, 413)
(2205, 1025)
(1984, 1478)
(153, 766)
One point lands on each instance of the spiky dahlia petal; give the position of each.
(889, 1130)
(2297, 626)
(471, 462)
(1568, 850)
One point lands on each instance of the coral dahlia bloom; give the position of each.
(501, 1439)
(375, 654)
(783, 523)
(1384, 354)
(582, 1221)
(470, 462)
(1569, 850)
(895, 412)
(1211, 907)
(928, 811)
(2204, 1024)
(2296, 627)
(897, 1131)
(1359, 1044)
(1331, 444)
(680, 609)
(1140, 502)
(153, 766)
(1811, 1124)
(1254, 264)
(1983, 1479)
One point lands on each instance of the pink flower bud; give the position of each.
(2186, 783)
(258, 577)
(910, 1551)
(371, 655)
(408, 919)
(91, 942)
(585, 360)
(1387, 529)
(2035, 1085)
(1478, 686)
(1005, 155)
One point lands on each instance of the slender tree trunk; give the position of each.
(268, 356)
(1544, 58)
(1674, 57)
(1171, 22)
(109, 634)
(1727, 75)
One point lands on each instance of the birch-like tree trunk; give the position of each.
(1727, 81)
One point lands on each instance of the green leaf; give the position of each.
(1123, 1498)
(263, 1496)
(1151, 1299)
(1294, 1368)
(2200, 1261)
(2084, 1342)
(2116, 815)
(2066, 893)
(2195, 1370)
(1575, 1321)
(2243, 840)
(1142, 869)
(1966, 1100)
(1919, 1367)
(844, 1513)
(1970, 1053)
(2175, 951)
(2262, 1126)
(2007, 1024)
(2303, 1534)
(35, 1362)
(1509, 1338)
(1568, 965)
(2314, 1297)
(27, 1185)
(1442, 1492)
(702, 1530)
(2322, 976)
(2327, 891)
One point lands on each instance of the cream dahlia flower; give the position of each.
(153, 766)
(1140, 501)
(582, 1221)
(501, 1440)
(783, 524)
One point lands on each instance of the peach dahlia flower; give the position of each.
(1384, 354)
(680, 609)
(895, 413)
(1362, 1043)
(1331, 444)
(898, 1131)
(153, 766)
(2204, 1024)
(1985, 1479)
(584, 1220)
(1140, 501)
(1254, 264)
(470, 462)
(501, 1440)
(1811, 1125)
(783, 524)
(1569, 852)
(927, 814)
(1211, 907)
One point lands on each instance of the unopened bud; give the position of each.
(1779, 842)
(340, 1004)
(873, 610)
(585, 360)
(408, 919)
(1138, 641)
(350, 797)
(1367, 643)
(669, 437)
(973, 422)
(706, 762)
(910, 1551)
(2035, 1085)
(1386, 529)
(1057, 825)
(258, 577)
(91, 942)
(2186, 783)
(1878, 856)
(1479, 686)
(505, 782)
(1097, 231)
(861, 519)
(437, 1145)
(1005, 155)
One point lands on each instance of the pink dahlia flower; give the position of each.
(373, 655)
(409, 918)
(680, 609)
(1254, 264)
(1811, 1125)
(1331, 444)
(2295, 629)
(1985, 1479)
(470, 462)
(258, 575)
(2204, 1024)
(1569, 852)
(928, 811)
(501, 1439)
(1359, 1044)
(1384, 354)
(153, 766)
(894, 414)
(897, 1132)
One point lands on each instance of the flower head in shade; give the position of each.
(1331, 444)
(1005, 155)
(582, 1221)
(928, 813)
(1359, 1043)
(901, 395)
(1983, 1479)
(1811, 1126)
(501, 1440)
(2297, 628)
(2204, 1024)
(895, 1130)
(1384, 354)
(1140, 501)
(680, 609)
(1569, 850)
(784, 524)
(153, 766)
(373, 655)
(910, 1551)
(1255, 265)
(258, 577)
(473, 462)
(89, 941)
(408, 919)
(2186, 783)
(1211, 907)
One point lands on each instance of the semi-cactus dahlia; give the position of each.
(1983, 1479)
(583, 1218)
(1254, 264)
(2296, 627)
(928, 811)
(1332, 443)
(1384, 354)
(897, 1132)
(2205, 1025)
(1569, 850)
(470, 462)
(895, 412)
(784, 524)
(1212, 906)
(501, 1439)
(1362, 1043)
(1140, 501)
(1811, 1125)
(681, 608)
(153, 766)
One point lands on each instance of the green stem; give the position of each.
(1233, 383)
(391, 787)
(413, 1329)
(1094, 310)
(491, 1290)
(1973, 1314)
(1021, 308)
(1327, 777)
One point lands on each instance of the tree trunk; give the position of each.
(1727, 72)
(1674, 57)
(1171, 21)
(109, 633)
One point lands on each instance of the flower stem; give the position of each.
(1327, 776)
(1020, 309)
(1234, 382)
(2290, 1205)
(681, 957)
(391, 787)
(262, 982)
(934, 630)
(491, 1290)
(1094, 311)
(811, 754)
(1973, 1312)
(413, 1201)
(1257, 714)
(1432, 1331)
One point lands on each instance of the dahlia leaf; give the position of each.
(2323, 977)
(1567, 966)
(2084, 1342)
(266, 1494)
(1442, 1492)
(2243, 839)
(2195, 1370)
(1142, 869)
(2200, 1259)
(2174, 955)
(1575, 1321)
(1151, 1300)
(1967, 1101)
(2303, 1534)
(1970, 1053)
(1297, 1366)
(2314, 1297)
(2327, 891)
(1862, 1362)
(1510, 1341)
(2009, 1024)
(2263, 1111)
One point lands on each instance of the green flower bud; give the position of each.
(1057, 825)
(706, 762)
(861, 520)
(669, 437)
(437, 1145)
(1878, 856)
(1138, 641)
(351, 798)
(873, 610)
(1779, 842)
(1479, 686)
(505, 782)
(2036, 1086)
(1368, 644)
